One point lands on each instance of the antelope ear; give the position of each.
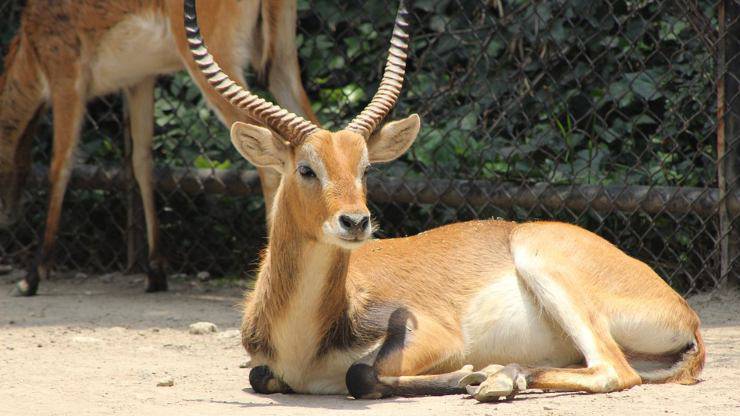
(259, 145)
(393, 140)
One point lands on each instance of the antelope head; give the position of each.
(323, 188)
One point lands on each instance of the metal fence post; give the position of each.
(135, 234)
(728, 137)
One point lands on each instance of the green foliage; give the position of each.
(555, 91)
(188, 132)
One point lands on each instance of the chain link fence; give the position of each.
(620, 116)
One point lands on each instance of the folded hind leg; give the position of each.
(552, 281)
(496, 381)
(284, 77)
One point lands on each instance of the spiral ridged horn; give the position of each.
(390, 86)
(291, 127)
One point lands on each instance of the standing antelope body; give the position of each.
(487, 307)
(68, 52)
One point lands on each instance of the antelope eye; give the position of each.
(306, 172)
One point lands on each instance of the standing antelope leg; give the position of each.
(21, 102)
(140, 100)
(284, 76)
(68, 108)
(79, 50)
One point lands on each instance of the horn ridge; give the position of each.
(392, 81)
(290, 126)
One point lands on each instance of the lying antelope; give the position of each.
(68, 52)
(487, 307)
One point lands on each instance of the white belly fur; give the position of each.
(139, 46)
(504, 324)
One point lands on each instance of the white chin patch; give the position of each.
(347, 244)
(333, 237)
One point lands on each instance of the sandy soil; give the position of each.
(100, 346)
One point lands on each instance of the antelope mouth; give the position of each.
(352, 239)
(350, 243)
(344, 240)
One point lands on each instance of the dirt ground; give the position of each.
(99, 346)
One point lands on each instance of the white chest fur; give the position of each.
(296, 335)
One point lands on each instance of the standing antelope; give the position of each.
(68, 52)
(487, 307)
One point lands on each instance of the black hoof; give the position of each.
(156, 281)
(155, 285)
(264, 382)
(23, 289)
(363, 383)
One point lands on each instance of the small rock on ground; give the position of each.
(200, 328)
(166, 382)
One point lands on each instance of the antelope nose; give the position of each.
(355, 224)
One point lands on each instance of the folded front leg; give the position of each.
(404, 362)
(363, 382)
(263, 381)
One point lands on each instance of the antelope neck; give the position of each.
(299, 269)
